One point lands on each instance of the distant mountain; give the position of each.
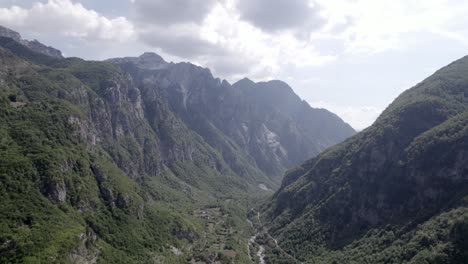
(266, 123)
(396, 192)
(33, 45)
(136, 160)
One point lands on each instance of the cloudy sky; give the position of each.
(352, 57)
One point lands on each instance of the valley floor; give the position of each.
(265, 245)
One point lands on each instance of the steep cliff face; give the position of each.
(396, 191)
(262, 126)
(285, 128)
(62, 197)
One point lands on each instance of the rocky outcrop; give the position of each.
(57, 192)
(86, 252)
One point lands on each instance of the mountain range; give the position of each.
(122, 160)
(140, 160)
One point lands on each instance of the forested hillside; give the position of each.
(395, 193)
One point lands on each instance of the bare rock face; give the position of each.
(58, 192)
(86, 252)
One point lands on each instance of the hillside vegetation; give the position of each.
(395, 193)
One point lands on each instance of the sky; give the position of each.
(352, 57)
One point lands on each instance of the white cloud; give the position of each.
(182, 40)
(164, 12)
(231, 47)
(66, 18)
(263, 55)
(277, 15)
(369, 26)
(225, 37)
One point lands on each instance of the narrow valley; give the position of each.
(233, 132)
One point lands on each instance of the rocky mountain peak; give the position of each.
(272, 89)
(8, 33)
(34, 45)
(279, 90)
(147, 60)
(151, 57)
(277, 84)
(245, 82)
